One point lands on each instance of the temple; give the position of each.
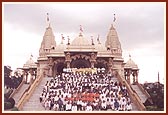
(83, 55)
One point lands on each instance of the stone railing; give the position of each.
(144, 92)
(17, 89)
(28, 92)
(134, 97)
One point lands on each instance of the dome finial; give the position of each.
(68, 40)
(98, 40)
(92, 40)
(48, 20)
(130, 56)
(81, 30)
(114, 18)
(31, 56)
(63, 38)
(113, 24)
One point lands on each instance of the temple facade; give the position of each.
(83, 53)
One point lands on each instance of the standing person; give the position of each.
(79, 104)
(47, 104)
(112, 103)
(74, 107)
(116, 105)
(104, 105)
(68, 106)
(41, 97)
(123, 105)
(56, 106)
(128, 107)
(95, 105)
(84, 104)
(89, 107)
(60, 103)
(108, 103)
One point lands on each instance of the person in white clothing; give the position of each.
(104, 105)
(89, 107)
(74, 107)
(56, 106)
(128, 107)
(68, 106)
(123, 105)
(84, 104)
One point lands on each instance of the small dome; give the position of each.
(80, 41)
(131, 64)
(30, 64)
(30, 61)
(60, 48)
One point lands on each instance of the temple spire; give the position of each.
(112, 42)
(48, 43)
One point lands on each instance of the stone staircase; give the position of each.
(141, 95)
(19, 93)
(134, 107)
(33, 104)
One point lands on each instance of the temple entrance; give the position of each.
(100, 65)
(58, 68)
(80, 63)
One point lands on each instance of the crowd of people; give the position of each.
(85, 92)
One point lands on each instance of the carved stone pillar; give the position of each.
(50, 70)
(92, 64)
(110, 65)
(50, 64)
(93, 59)
(128, 76)
(133, 78)
(125, 74)
(137, 76)
(55, 70)
(68, 64)
(68, 59)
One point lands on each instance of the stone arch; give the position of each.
(80, 63)
(101, 63)
(59, 64)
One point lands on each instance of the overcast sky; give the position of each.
(140, 27)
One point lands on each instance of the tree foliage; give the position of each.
(157, 95)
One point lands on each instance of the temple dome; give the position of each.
(80, 41)
(30, 64)
(100, 48)
(130, 64)
(30, 61)
(60, 48)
